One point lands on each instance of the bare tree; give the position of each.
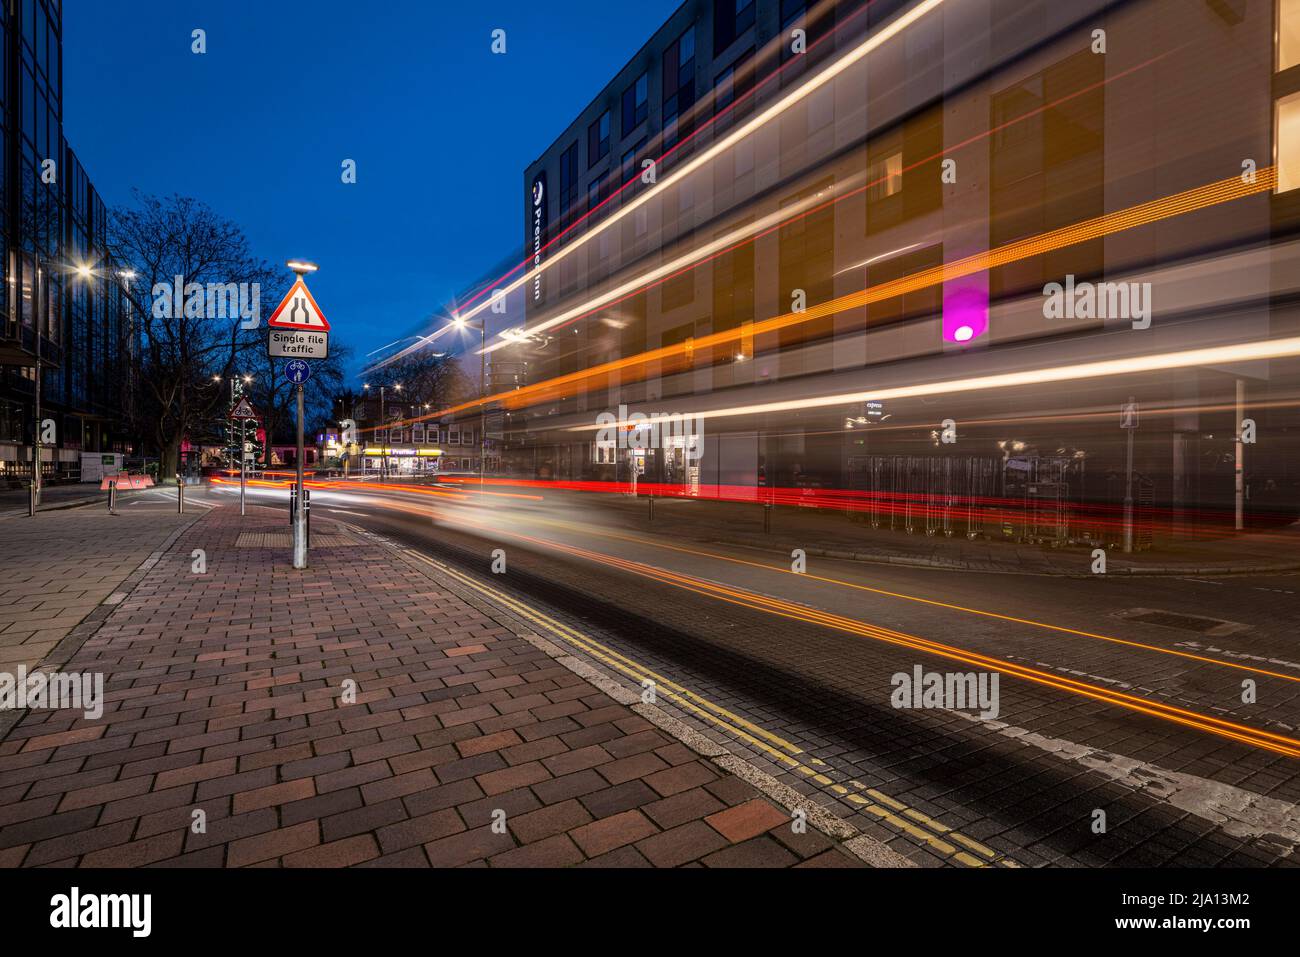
(184, 340)
(426, 377)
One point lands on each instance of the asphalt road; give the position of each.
(1117, 739)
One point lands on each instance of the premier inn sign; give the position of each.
(298, 344)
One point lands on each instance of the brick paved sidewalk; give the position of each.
(224, 694)
(61, 566)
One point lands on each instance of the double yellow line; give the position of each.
(921, 827)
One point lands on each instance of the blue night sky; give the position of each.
(441, 129)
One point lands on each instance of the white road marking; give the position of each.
(1237, 811)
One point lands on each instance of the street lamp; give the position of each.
(460, 322)
(243, 438)
(383, 455)
(84, 271)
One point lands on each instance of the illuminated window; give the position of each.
(1287, 135)
(1288, 33)
(885, 177)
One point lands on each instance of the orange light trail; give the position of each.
(673, 358)
(637, 540)
(1266, 740)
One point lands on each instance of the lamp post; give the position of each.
(38, 326)
(243, 438)
(461, 323)
(37, 323)
(383, 452)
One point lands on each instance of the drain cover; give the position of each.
(1200, 624)
(1171, 620)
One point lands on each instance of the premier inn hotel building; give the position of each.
(879, 206)
(51, 213)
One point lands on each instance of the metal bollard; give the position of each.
(651, 500)
(306, 504)
(31, 499)
(293, 501)
(180, 494)
(112, 497)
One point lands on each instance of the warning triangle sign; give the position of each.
(242, 410)
(298, 310)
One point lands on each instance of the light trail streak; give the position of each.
(637, 540)
(810, 86)
(673, 358)
(1265, 740)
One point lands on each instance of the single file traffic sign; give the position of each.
(298, 328)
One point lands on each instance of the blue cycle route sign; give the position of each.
(298, 371)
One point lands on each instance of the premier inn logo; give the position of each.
(539, 228)
(75, 910)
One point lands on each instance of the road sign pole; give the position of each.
(243, 463)
(1239, 466)
(1128, 479)
(300, 513)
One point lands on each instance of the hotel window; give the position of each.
(636, 104)
(731, 18)
(1286, 108)
(885, 177)
(628, 165)
(1288, 34)
(598, 190)
(1287, 136)
(679, 86)
(733, 86)
(568, 177)
(792, 18)
(598, 140)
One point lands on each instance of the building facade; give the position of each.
(53, 226)
(777, 203)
